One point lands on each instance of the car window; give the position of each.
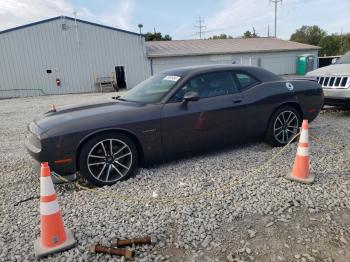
(245, 81)
(208, 85)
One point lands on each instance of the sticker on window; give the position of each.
(172, 78)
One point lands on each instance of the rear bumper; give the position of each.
(312, 104)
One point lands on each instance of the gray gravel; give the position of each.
(216, 228)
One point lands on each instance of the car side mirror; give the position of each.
(191, 96)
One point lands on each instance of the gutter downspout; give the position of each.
(151, 64)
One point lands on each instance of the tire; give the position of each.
(278, 133)
(100, 167)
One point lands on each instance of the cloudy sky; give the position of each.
(178, 18)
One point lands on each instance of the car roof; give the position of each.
(260, 73)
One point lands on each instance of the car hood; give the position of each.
(337, 69)
(69, 119)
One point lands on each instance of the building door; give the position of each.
(310, 63)
(120, 76)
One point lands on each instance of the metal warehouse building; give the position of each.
(276, 55)
(66, 55)
(63, 55)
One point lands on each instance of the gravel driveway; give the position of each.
(262, 217)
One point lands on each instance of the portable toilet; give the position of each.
(305, 63)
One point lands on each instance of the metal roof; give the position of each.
(222, 46)
(69, 18)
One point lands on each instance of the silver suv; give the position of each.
(335, 81)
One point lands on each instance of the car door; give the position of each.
(216, 118)
(256, 108)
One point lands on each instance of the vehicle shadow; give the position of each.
(192, 156)
(334, 109)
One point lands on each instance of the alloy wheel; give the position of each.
(286, 126)
(109, 160)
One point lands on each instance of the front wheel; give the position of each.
(283, 126)
(107, 158)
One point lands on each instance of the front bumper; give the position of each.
(337, 101)
(43, 149)
(33, 142)
(337, 97)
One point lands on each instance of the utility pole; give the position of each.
(341, 41)
(200, 26)
(268, 30)
(275, 2)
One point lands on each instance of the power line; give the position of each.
(200, 26)
(275, 2)
(206, 31)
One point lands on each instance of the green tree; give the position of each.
(249, 34)
(330, 45)
(157, 36)
(344, 43)
(221, 36)
(333, 44)
(309, 35)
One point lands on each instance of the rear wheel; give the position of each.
(107, 159)
(284, 125)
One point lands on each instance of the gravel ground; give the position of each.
(261, 217)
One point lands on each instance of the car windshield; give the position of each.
(152, 89)
(345, 59)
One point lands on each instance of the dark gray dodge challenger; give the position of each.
(171, 114)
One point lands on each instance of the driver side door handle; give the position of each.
(237, 100)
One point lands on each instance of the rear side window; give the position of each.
(214, 84)
(209, 85)
(245, 81)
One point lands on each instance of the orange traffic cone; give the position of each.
(301, 168)
(53, 236)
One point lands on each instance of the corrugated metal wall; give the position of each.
(74, 54)
(277, 62)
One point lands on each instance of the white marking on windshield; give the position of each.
(172, 78)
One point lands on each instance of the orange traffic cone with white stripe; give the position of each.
(301, 168)
(53, 236)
